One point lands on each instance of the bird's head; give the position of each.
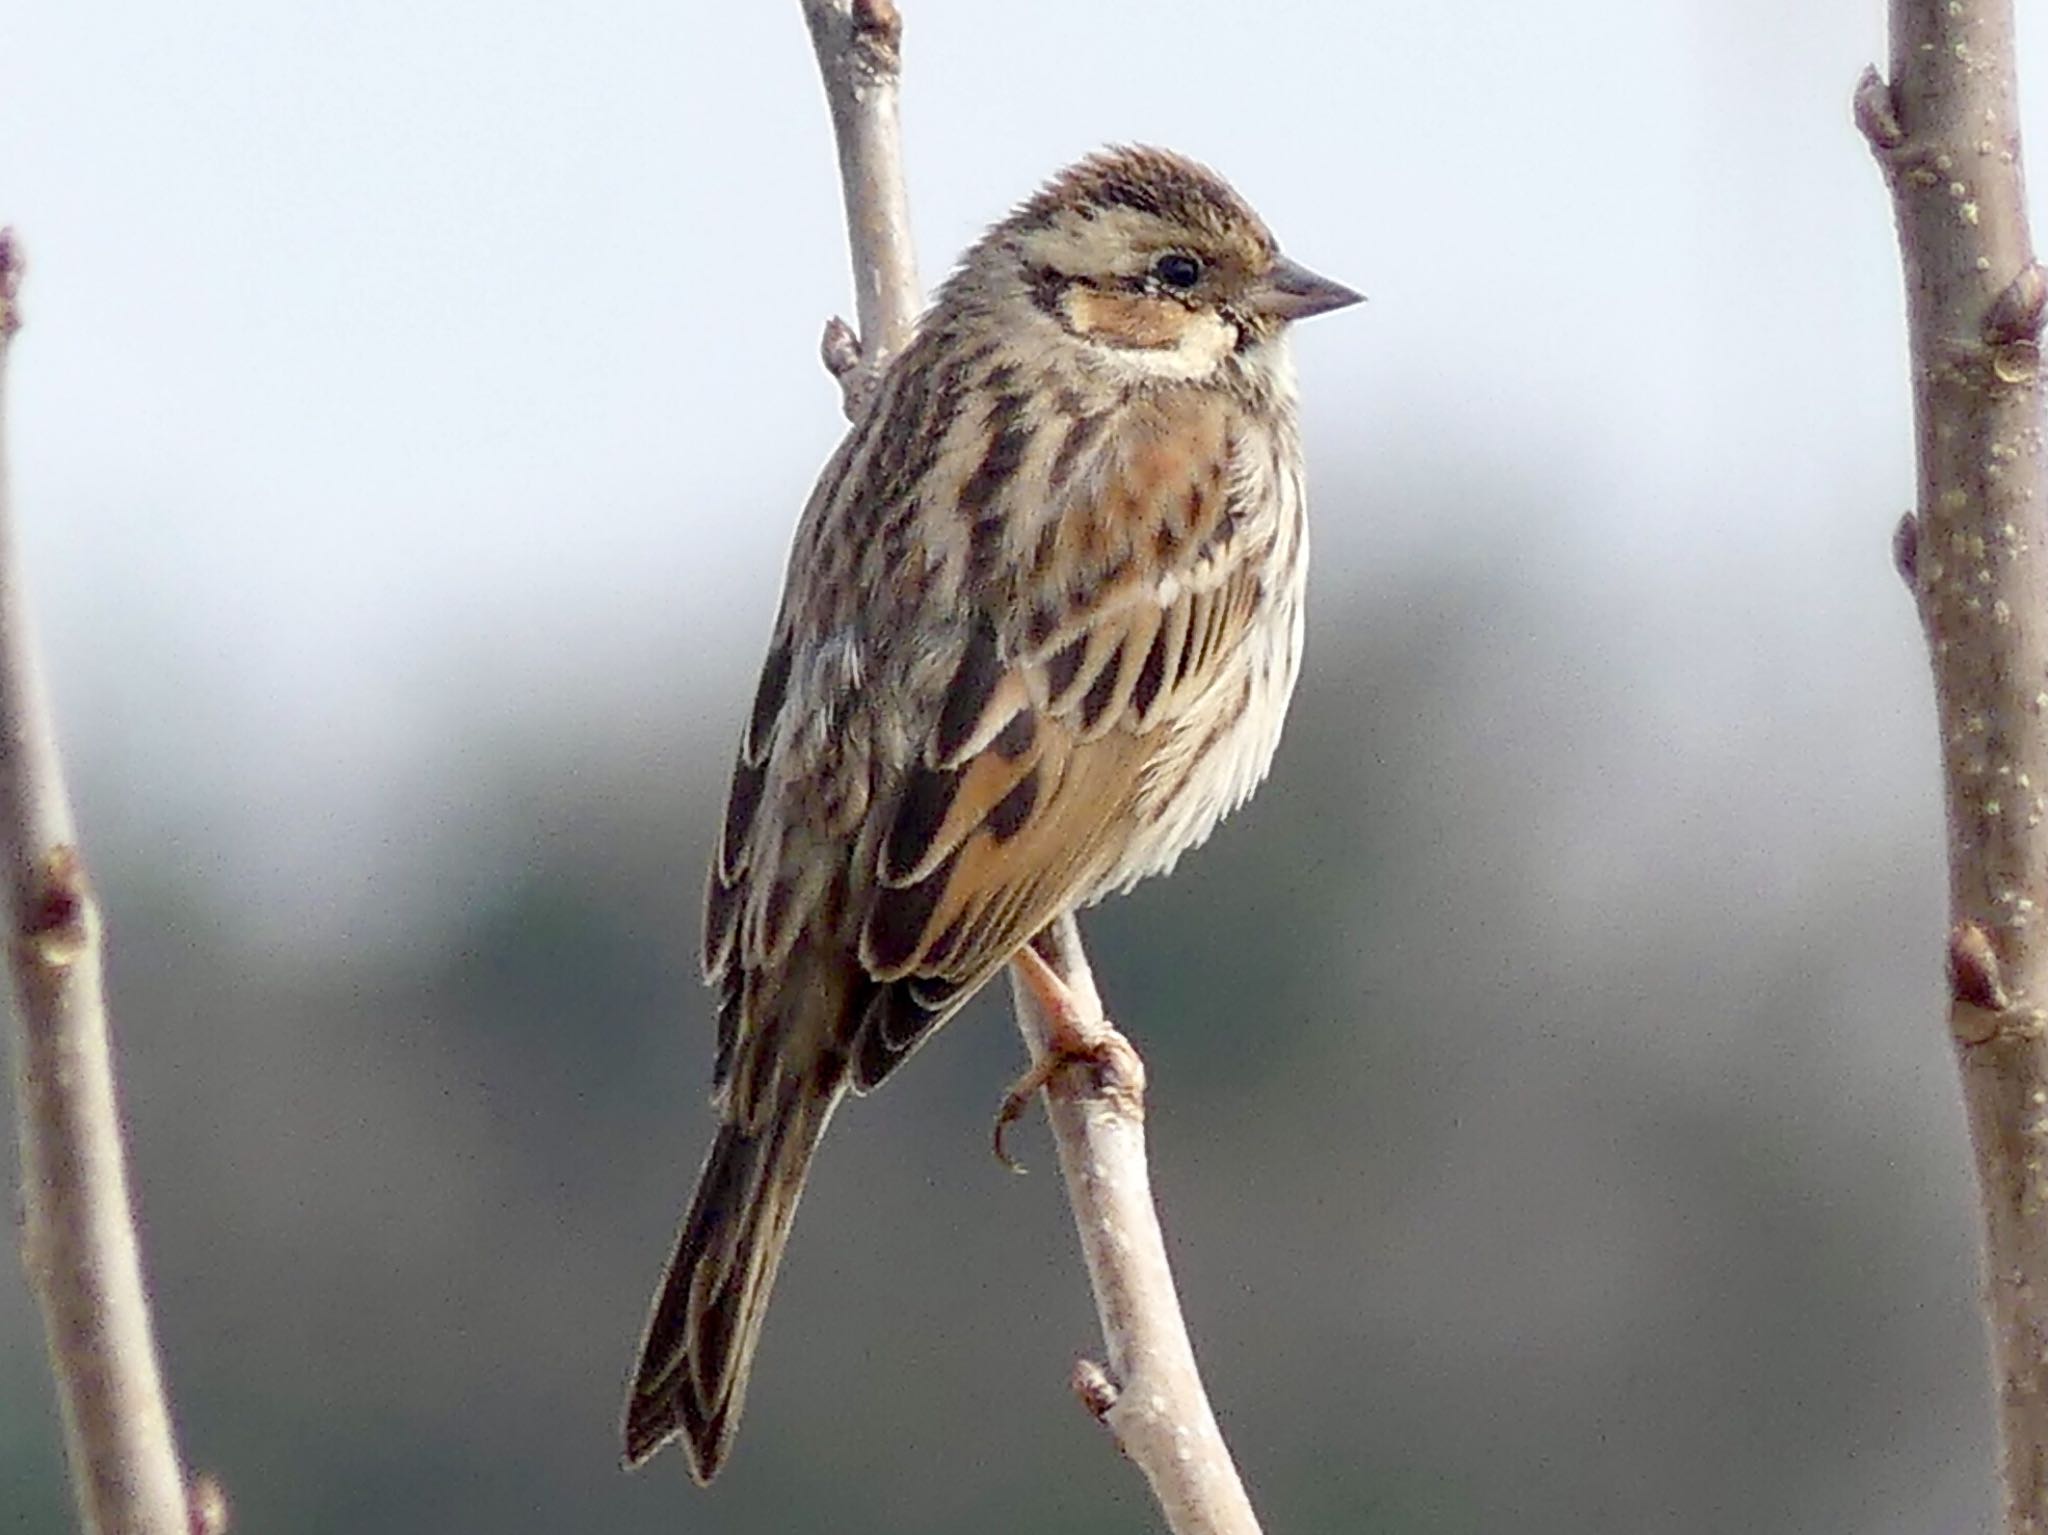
(1150, 261)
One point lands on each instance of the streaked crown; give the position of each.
(1146, 259)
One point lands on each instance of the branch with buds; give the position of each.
(1945, 130)
(859, 44)
(84, 1262)
(1149, 1393)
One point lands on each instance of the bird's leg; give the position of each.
(1074, 1036)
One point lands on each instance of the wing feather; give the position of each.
(1046, 731)
(1031, 812)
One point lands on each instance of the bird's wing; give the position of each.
(935, 826)
(1049, 748)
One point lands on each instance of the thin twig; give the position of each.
(860, 53)
(80, 1244)
(1945, 129)
(1150, 1396)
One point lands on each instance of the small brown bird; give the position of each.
(1038, 633)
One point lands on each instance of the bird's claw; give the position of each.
(1071, 1039)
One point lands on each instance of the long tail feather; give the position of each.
(699, 1344)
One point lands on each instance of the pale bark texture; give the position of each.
(1150, 1396)
(859, 44)
(1945, 128)
(84, 1263)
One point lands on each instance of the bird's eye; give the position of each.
(1177, 270)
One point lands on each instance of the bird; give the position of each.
(1039, 628)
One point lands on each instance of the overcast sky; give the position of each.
(385, 353)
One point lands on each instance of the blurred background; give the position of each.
(1550, 1101)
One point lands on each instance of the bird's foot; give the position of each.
(1073, 1037)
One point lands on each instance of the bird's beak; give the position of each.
(1292, 292)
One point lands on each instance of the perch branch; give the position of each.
(1150, 1395)
(79, 1242)
(1945, 130)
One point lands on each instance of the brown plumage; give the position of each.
(1038, 632)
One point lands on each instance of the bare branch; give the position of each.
(1945, 129)
(80, 1243)
(860, 53)
(1150, 1396)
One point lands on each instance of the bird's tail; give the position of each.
(700, 1341)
